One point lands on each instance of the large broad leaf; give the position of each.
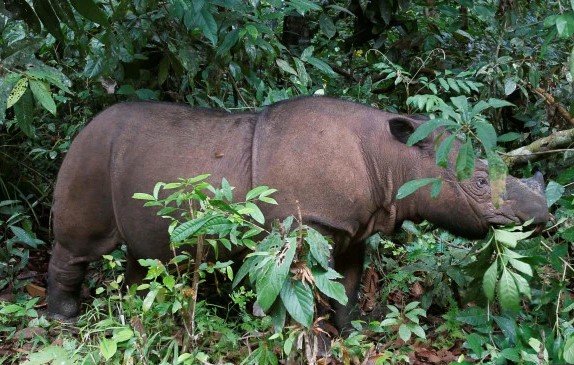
(508, 294)
(321, 66)
(325, 282)
(7, 83)
(411, 186)
(474, 316)
(327, 25)
(486, 134)
(189, 228)
(17, 92)
(497, 172)
(465, 161)
(298, 300)
(43, 95)
(554, 192)
(319, 248)
(568, 353)
(89, 10)
(489, 280)
(425, 129)
(205, 21)
(108, 348)
(443, 151)
(510, 239)
(273, 275)
(46, 14)
(24, 112)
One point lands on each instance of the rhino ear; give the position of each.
(401, 128)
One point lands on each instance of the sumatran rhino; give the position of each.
(342, 162)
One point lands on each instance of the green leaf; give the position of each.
(435, 188)
(284, 65)
(49, 74)
(298, 300)
(189, 228)
(123, 335)
(508, 137)
(460, 102)
(255, 192)
(465, 161)
(389, 322)
(321, 66)
(273, 275)
(229, 41)
(511, 354)
(411, 306)
(44, 10)
(302, 6)
(43, 95)
(108, 348)
(521, 266)
(319, 247)
(22, 236)
(404, 332)
(522, 284)
(486, 133)
(489, 280)
(417, 330)
(452, 83)
(571, 61)
(327, 25)
(498, 103)
(89, 10)
(24, 113)
(568, 353)
(554, 192)
(474, 316)
(255, 212)
(444, 84)
(324, 280)
(510, 239)
(565, 25)
(497, 172)
(143, 196)
(17, 92)
(443, 151)
(508, 294)
(411, 186)
(425, 129)
(206, 22)
(7, 83)
(149, 299)
(509, 86)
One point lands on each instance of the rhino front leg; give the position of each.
(350, 265)
(65, 277)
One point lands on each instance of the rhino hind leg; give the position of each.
(350, 265)
(65, 279)
(67, 270)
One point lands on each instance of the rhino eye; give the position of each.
(481, 182)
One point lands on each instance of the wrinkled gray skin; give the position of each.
(343, 162)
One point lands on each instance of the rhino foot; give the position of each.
(63, 306)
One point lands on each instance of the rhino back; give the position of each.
(312, 150)
(129, 147)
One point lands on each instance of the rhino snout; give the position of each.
(527, 199)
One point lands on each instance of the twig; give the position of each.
(550, 144)
(551, 101)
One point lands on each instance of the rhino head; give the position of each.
(465, 208)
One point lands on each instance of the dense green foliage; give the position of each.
(499, 73)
